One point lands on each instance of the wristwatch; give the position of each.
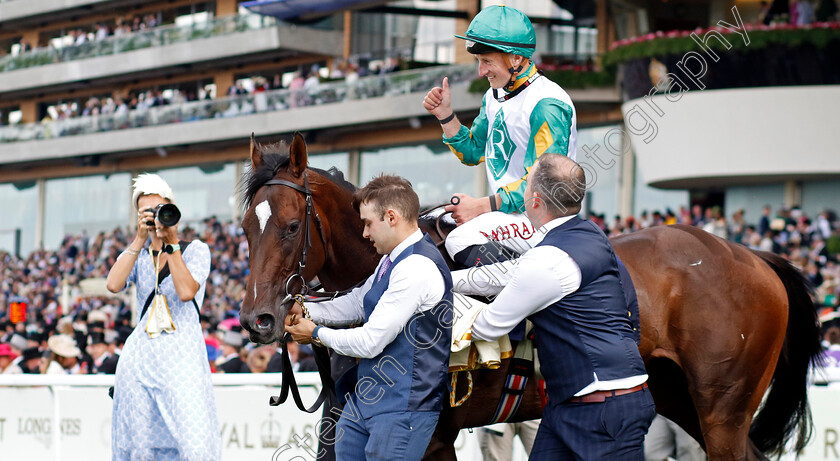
(315, 340)
(169, 249)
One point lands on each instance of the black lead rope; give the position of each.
(322, 359)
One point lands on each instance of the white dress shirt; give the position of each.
(415, 285)
(523, 284)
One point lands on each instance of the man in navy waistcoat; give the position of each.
(405, 309)
(568, 285)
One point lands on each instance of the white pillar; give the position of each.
(132, 212)
(793, 193)
(482, 186)
(40, 214)
(626, 178)
(239, 168)
(354, 167)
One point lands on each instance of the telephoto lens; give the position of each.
(168, 214)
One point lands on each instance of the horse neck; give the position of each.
(348, 258)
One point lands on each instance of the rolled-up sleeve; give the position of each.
(415, 285)
(541, 277)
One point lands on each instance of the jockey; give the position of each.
(523, 115)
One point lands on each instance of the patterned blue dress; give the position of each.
(164, 406)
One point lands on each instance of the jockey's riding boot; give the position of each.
(480, 255)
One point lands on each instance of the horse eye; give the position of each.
(293, 227)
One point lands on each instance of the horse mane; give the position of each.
(275, 158)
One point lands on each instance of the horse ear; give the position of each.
(256, 154)
(297, 154)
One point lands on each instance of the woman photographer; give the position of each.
(164, 406)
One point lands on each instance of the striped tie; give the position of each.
(385, 265)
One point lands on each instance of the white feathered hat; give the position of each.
(151, 184)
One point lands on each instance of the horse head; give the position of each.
(289, 211)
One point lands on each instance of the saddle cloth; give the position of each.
(467, 354)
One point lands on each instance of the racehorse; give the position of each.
(720, 324)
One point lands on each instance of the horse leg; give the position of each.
(442, 445)
(726, 408)
(669, 389)
(450, 422)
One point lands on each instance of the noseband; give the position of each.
(310, 212)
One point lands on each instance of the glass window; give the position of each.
(19, 208)
(752, 199)
(653, 199)
(601, 178)
(818, 196)
(434, 172)
(602, 196)
(201, 192)
(340, 160)
(91, 204)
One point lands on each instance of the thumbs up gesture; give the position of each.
(438, 101)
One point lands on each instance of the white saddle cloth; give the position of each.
(467, 354)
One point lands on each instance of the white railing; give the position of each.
(61, 418)
(375, 86)
(115, 44)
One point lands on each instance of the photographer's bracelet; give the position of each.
(132, 251)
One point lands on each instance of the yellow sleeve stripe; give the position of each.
(457, 154)
(543, 140)
(460, 156)
(516, 184)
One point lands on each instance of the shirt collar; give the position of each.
(547, 227)
(410, 240)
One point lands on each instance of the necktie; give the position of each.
(385, 265)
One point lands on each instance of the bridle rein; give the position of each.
(322, 358)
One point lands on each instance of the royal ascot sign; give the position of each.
(249, 427)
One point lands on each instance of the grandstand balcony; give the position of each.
(738, 113)
(24, 12)
(162, 50)
(370, 101)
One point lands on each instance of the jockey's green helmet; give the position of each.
(500, 28)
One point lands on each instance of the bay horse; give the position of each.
(720, 324)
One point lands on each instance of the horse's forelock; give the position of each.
(275, 158)
(253, 179)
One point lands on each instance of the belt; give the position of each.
(601, 396)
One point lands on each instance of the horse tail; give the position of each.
(785, 410)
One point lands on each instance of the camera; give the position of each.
(167, 213)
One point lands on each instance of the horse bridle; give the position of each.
(310, 212)
(322, 358)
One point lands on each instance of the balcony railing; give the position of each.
(327, 93)
(159, 36)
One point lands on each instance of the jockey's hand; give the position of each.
(438, 101)
(468, 208)
(301, 331)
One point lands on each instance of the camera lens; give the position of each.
(168, 215)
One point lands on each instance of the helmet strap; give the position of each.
(513, 71)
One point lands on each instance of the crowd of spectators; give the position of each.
(796, 12)
(95, 33)
(92, 329)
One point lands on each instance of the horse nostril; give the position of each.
(265, 322)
